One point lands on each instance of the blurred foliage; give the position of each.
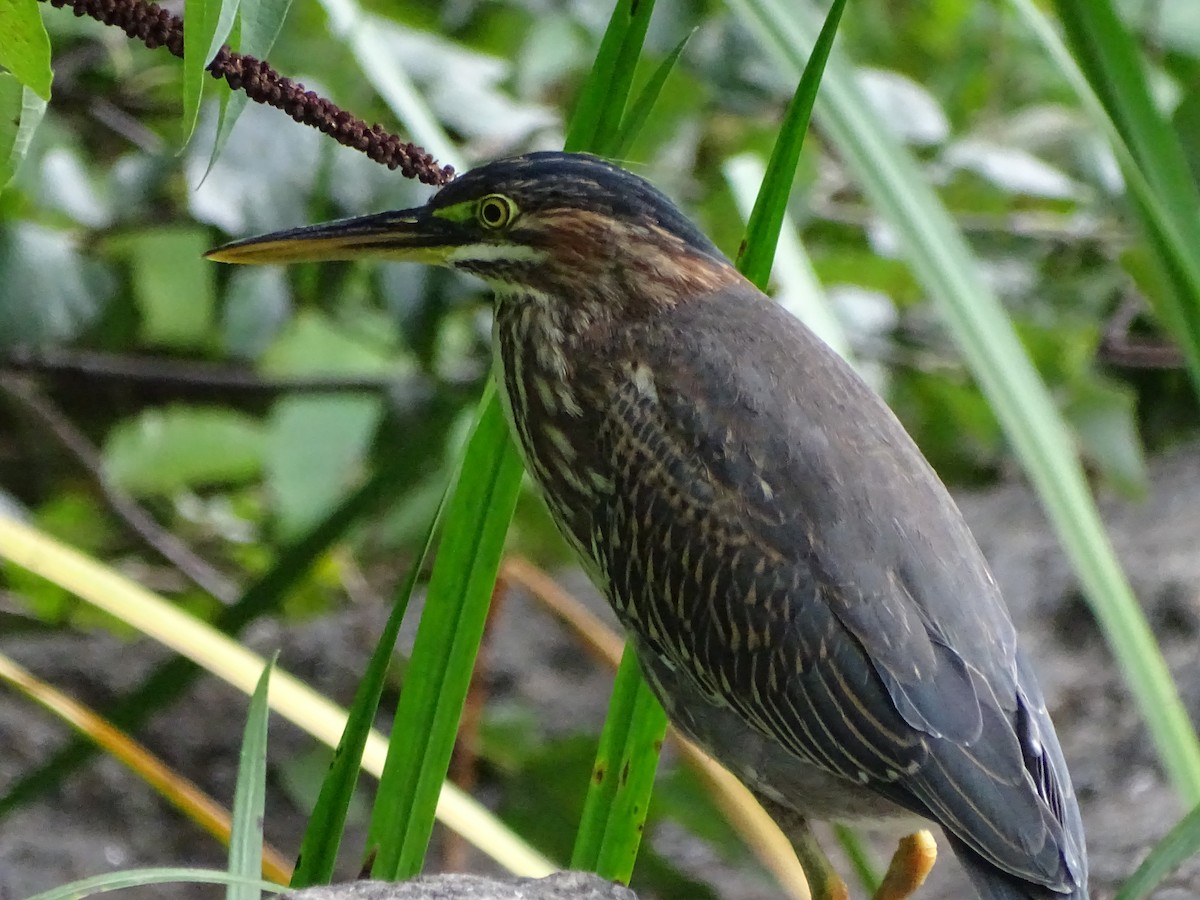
(241, 405)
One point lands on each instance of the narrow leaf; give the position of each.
(439, 670)
(614, 812)
(762, 231)
(323, 834)
(250, 794)
(589, 108)
(207, 24)
(639, 112)
(258, 25)
(118, 881)
(616, 97)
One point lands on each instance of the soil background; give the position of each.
(103, 819)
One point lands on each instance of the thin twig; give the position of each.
(155, 27)
(1120, 348)
(27, 396)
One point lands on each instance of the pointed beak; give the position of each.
(411, 235)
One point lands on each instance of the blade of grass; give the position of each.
(1179, 844)
(757, 252)
(118, 881)
(635, 119)
(622, 777)
(1156, 172)
(596, 92)
(215, 652)
(612, 113)
(250, 795)
(439, 670)
(181, 793)
(172, 678)
(323, 834)
(942, 261)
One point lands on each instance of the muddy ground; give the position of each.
(103, 819)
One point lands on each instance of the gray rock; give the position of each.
(560, 886)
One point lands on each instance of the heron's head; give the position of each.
(566, 226)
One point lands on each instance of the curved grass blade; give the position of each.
(323, 834)
(614, 811)
(250, 795)
(439, 670)
(119, 881)
(601, 97)
(943, 263)
(616, 97)
(639, 112)
(1147, 148)
(757, 252)
(180, 792)
(1179, 844)
(169, 680)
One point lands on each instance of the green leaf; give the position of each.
(614, 813)
(258, 25)
(1155, 167)
(20, 113)
(323, 834)
(25, 46)
(595, 124)
(762, 231)
(315, 447)
(313, 344)
(116, 881)
(164, 451)
(250, 794)
(447, 641)
(1104, 417)
(639, 112)
(207, 24)
(173, 285)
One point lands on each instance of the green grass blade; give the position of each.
(594, 95)
(616, 97)
(1147, 148)
(614, 811)
(860, 859)
(631, 125)
(172, 678)
(119, 881)
(762, 231)
(1179, 844)
(447, 641)
(323, 834)
(942, 261)
(250, 795)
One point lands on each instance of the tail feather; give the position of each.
(993, 884)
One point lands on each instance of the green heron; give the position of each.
(803, 594)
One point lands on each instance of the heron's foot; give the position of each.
(911, 864)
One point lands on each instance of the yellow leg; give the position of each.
(911, 865)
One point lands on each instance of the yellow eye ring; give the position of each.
(495, 211)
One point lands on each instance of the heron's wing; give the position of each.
(819, 580)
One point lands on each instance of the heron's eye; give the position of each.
(495, 211)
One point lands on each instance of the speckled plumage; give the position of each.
(804, 595)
